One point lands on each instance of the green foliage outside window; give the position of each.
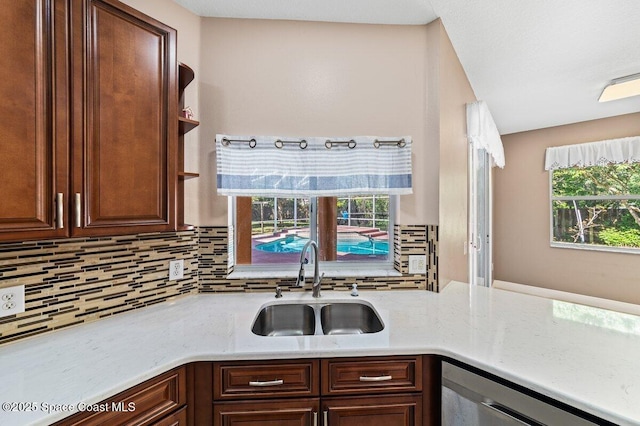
(609, 216)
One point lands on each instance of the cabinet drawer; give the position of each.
(263, 379)
(141, 405)
(371, 375)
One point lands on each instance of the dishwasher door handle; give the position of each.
(521, 418)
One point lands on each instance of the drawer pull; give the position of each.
(326, 417)
(315, 418)
(375, 379)
(276, 382)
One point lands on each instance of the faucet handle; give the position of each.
(320, 278)
(278, 292)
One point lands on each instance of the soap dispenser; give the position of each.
(354, 290)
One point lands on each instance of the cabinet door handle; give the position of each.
(60, 210)
(375, 378)
(325, 414)
(276, 382)
(315, 418)
(78, 212)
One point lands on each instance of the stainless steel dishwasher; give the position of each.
(469, 399)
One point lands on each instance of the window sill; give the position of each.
(627, 250)
(329, 273)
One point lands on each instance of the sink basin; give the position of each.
(285, 320)
(299, 319)
(349, 318)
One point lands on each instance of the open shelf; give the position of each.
(187, 175)
(185, 125)
(185, 76)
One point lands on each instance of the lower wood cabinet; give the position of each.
(159, 401)
(179, 418)
(281, 412)
(367, 391)
(379, 410)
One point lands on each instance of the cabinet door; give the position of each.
(33, 119)
(148, 403)
(281, 412)
(179, 418)
(124, 120)
(382, 410)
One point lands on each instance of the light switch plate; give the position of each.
(417, 264)
(176, 270)
(11, 300)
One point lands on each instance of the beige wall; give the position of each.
(454, 93)
(187, 25)
(521, 218)
(296, 78)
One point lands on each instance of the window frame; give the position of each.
(578, 246)
(335, 269)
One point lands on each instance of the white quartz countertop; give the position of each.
(586, 357)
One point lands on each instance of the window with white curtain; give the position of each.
(595, 195)
(340, 192)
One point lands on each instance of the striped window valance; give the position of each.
(313, 166)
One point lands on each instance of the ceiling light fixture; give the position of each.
(620, 88)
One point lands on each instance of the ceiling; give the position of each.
(536, 63)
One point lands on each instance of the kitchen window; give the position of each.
(597, 206)
(339, 192)
(353, 232)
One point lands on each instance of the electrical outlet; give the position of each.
(418, 264)
(11, 300)
(176, 269)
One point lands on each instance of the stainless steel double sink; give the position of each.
(300, 319)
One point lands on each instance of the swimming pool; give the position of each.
(351, 243)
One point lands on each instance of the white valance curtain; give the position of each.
(278, 166)
(483, 133)
(612, 151)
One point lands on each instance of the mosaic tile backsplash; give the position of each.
(408, 239)
(73, 281)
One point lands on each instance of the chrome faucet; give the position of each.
(317, 278)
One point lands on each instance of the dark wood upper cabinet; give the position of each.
(88, 127)
(33, 119)
(125, 102)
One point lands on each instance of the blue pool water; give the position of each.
(353, 244)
